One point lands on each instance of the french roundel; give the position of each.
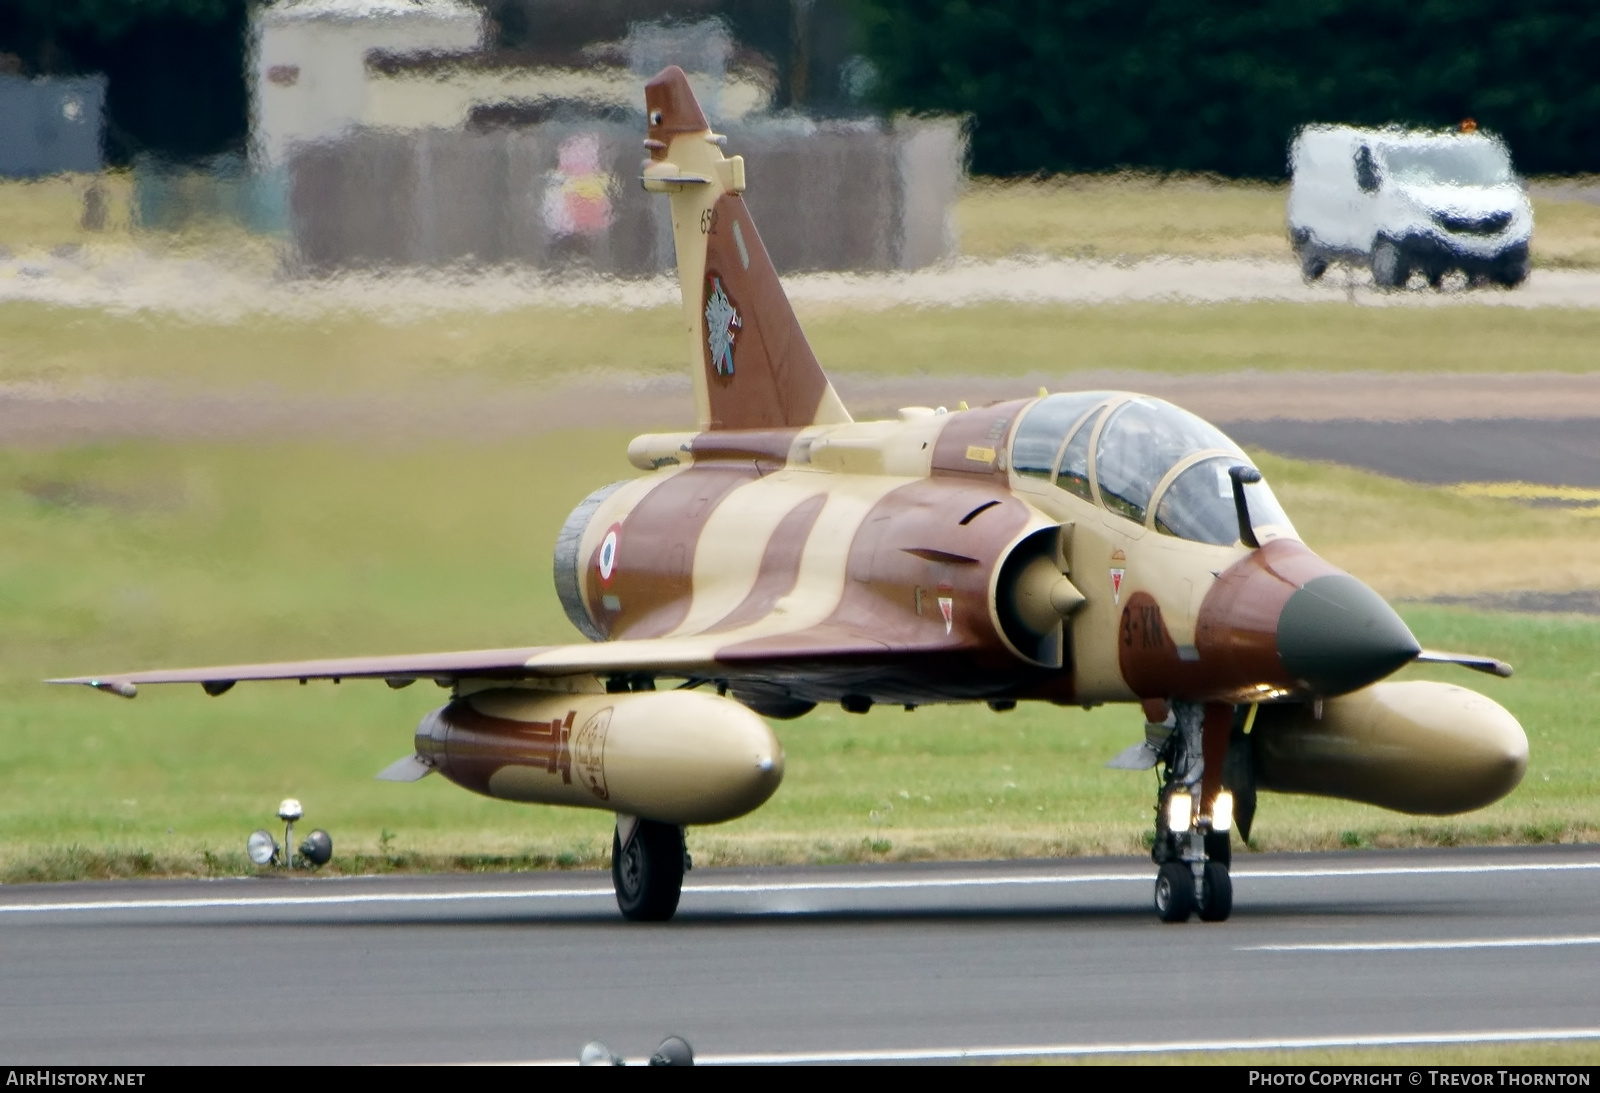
(608, 552)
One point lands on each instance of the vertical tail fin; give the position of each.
(752, 365)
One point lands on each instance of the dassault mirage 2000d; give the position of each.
(1076, 549)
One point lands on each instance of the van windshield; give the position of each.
(1459, 163)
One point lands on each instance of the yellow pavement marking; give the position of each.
(1527, 491)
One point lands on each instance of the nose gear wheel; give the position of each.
(1174, 892)
(1214, 901)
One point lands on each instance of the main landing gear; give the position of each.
(1192, 848)
(648, 860)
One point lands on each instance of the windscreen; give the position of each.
(1449, 163)
(1199, 506)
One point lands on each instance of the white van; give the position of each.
(1407, 201)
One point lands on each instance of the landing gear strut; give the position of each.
(648, 860)
(1193, 819)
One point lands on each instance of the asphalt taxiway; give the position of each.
(1560, 452)
(896, 962)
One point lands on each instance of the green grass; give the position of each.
(144, 554)
(1410, 541)
(1015, 339)
(479, 355)
(1123, 216)
(1137, 215)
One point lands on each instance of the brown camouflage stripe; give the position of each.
(650, 589)
(911, 551)
(1236, 635)
(468, 746)
(767, 448)
(973, 442)
(780, 566)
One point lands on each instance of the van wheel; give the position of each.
(1511, 270)
(1389, 266)
(1312, 264)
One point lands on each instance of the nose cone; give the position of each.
(1337, 635)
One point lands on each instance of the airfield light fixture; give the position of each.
(1180, 809)
(318, 847)
(595, 1053)
(289, 811)
(674, 1051)
(262, 847)
(1222, 812)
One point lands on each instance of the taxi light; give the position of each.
(1222, 812)
(1180, 807)
(1469, 125)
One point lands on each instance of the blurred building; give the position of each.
(309, 78)
(401, 133)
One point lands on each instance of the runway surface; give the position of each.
(1554, 452)
(789, 964)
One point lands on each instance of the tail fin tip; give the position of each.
(672, 107)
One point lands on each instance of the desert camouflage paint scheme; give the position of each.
(1078, 548)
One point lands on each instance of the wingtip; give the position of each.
(109, 686)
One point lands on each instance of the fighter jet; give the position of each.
(1076, 549)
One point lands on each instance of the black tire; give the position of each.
(1219, 848)
(1312, 264)
(648, 875)
(1215, 901)
(1510, 269)
(1174, 892)
(1391, 266)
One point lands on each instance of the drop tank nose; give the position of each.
(1337, 635)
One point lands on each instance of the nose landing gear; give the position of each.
(1193, 818)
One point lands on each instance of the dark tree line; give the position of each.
(1220, 85)
(174, 68)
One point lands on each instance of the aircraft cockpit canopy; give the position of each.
(1146, 460)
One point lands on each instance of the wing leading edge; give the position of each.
(684, 656)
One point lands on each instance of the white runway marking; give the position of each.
(1044, 1051)
(1423, 946)
(771, 888)
(1414, 870)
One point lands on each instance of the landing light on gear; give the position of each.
(1180, 807)
(1222, 812)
